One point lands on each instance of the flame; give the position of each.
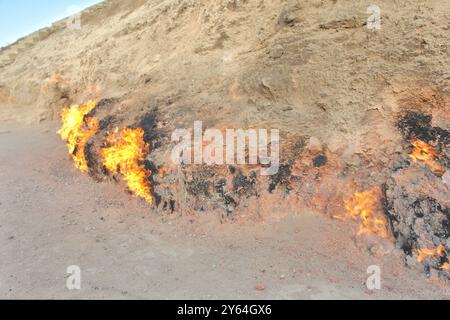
(124, 155)
(77, 129)
(426, 153)
(363, 206)
(445, 266)
(422, 254)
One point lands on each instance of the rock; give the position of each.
(322, 106)
(320, 160)
(414, 202)
(287, 17)
(260, 287)
(276, 51)
(267, 82)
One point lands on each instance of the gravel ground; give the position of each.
(52, 217)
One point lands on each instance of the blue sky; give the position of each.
(19, 18)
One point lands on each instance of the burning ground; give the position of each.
(404, 200)
(363, 116)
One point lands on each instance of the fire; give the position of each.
(363, 206)
(422, 254)
(426, 153)
(77, 129)
(445, 266)
(124, 155)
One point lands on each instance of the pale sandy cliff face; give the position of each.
(312, 69)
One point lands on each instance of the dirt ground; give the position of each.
(51, 217)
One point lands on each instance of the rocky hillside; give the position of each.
(293, 64)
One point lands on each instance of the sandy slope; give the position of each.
(52, 217)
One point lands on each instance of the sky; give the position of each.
(19, 18)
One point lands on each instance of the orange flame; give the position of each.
(363, 206)
(426, 153)
(422, 254)
(445, 266)
(77, 129)
(125, 155)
